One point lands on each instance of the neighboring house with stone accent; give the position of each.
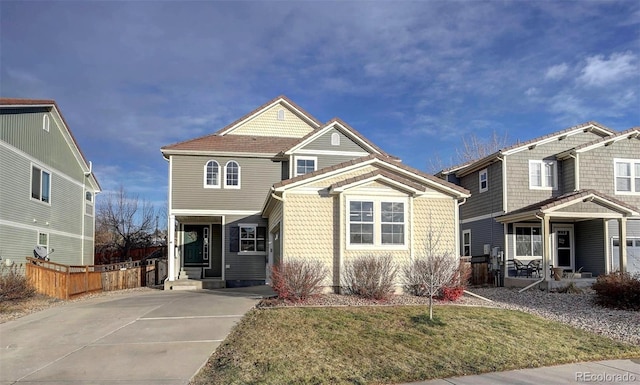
(568, 199)
(47, 188)
(278, 185)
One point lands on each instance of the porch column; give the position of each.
(171, 247)
(546, 247)
(622, 231)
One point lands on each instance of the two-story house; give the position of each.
(47, 187)
(278, 185)
(569, 199)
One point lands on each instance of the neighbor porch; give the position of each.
(562, 240)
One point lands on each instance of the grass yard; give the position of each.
(377, 345)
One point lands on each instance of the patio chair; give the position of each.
(521, 267)
(535, 266)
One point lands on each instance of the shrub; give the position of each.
(297, 280)
(370, 277)
(14, 285)
(618, 290)
(452, 293)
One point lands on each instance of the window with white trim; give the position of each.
(212, 174)
(232, 174)
(543, 174)
(376, 222)
(335, 139)
(305, 165)
(627, 176)
(483, 180)
(43, 240)
(281, 114)
(40, 184)
(88, 207)
(466, 243)
(45, 123)
(252, 238)
(528, 241)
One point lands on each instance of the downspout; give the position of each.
(544, 262)
(459, 228)
(504, 185)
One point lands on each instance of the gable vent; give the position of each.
(281, 114)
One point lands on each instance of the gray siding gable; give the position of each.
(518, 192)
(323, 143)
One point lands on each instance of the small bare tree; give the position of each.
(124, 222)
(473, 148)
(427, 275)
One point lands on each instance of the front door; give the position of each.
(563, 247)
(196, 245)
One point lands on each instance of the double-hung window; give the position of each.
(232, 174)
(528, 241)
(483, 180)
(627, 176)
(40, 184)
(376, 222)
(466, 243)
(543, 174)
(305, 165)
(212, 174)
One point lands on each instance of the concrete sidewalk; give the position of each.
(597, 372)
(156, 337)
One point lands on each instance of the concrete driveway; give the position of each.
(156, 337)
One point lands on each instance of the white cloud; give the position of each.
(557, 71)
(531, 91)
(599, 71)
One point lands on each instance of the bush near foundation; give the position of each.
(618, 291)
(297, 280)
(370, 277)
(458, 284)
(14, 286)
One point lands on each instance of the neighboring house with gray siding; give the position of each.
(278, 185)
(47, 187)
(569, 199)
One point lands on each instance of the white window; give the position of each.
(280, 114)
(252, 238)
(335, 139)
(45, 123)
(88, 207)
(212, 174)
(483, 180)
(543, 174)
(528, 241)
(466, 243)
(377, 222)
(43, 240)
(40, 184)
(627, 176)
(305, 165)
(232, 174)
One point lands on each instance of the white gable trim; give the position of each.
(629, 135)
(428, 182)
(591, 198)
(559, 136)
(379, 178)
(323, 130)
(259, 112)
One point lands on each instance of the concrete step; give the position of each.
(195, 284)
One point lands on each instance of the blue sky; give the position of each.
(414, 77)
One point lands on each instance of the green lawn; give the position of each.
(373, 345)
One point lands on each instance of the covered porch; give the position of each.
(563, 240)
(195, 252)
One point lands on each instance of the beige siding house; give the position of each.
(298, 189)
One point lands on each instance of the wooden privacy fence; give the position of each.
(67, 281)
(480, 273)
